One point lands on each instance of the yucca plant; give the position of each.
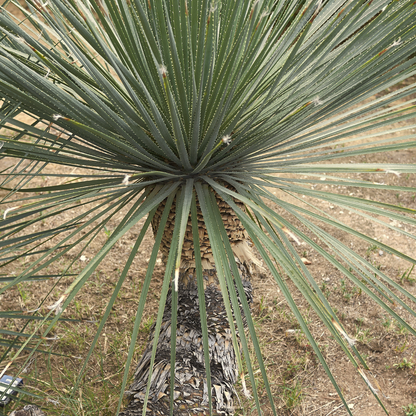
(190, 114)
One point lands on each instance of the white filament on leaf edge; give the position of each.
(8, 210)
(125, 181)
(57, 305)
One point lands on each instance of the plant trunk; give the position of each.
(190, 391)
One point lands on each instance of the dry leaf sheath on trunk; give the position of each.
(190, 393)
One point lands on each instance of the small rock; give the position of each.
(28, 410)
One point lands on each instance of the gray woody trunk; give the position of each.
(190, 393)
